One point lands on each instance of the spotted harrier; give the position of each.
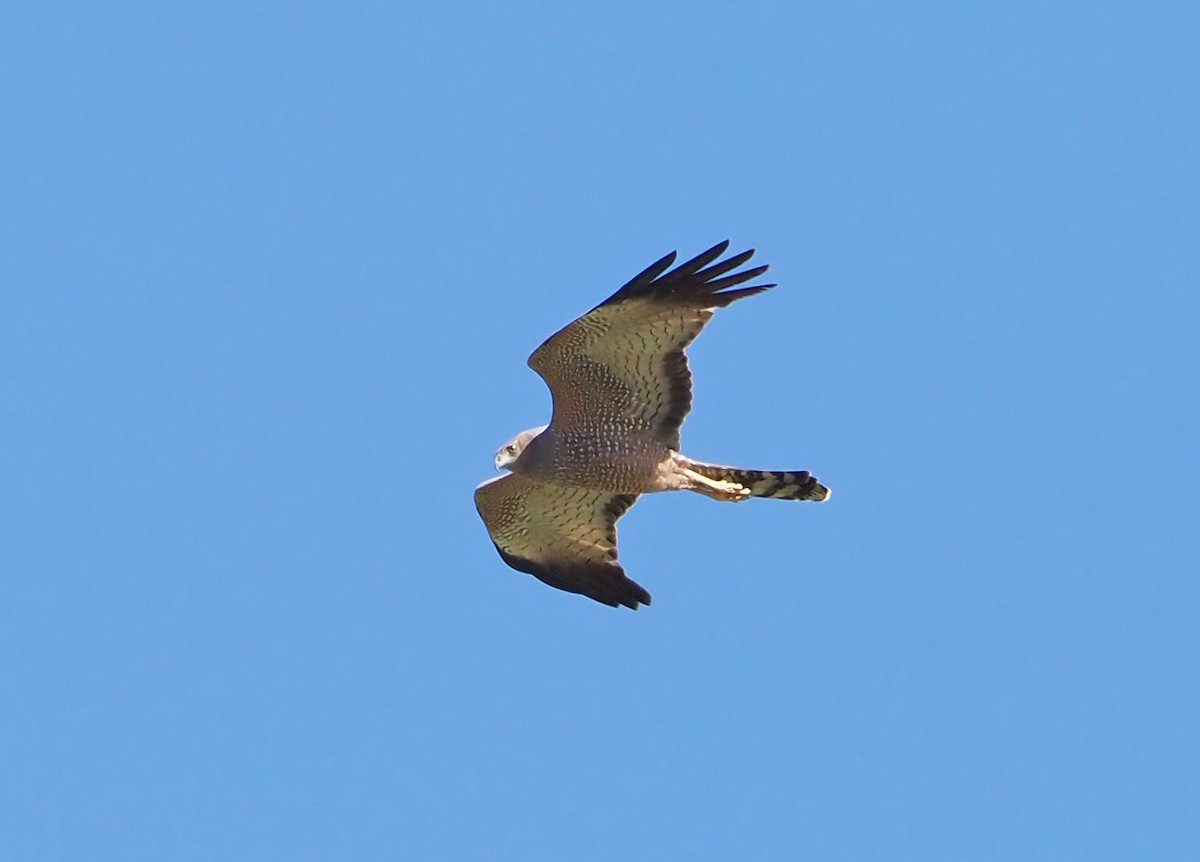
(621, 389)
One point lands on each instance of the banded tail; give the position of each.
(775, 484)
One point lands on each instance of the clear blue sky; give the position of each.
(271, 272)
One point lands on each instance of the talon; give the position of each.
(718, 489)
(734, 493)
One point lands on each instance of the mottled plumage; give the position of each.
(621, 389)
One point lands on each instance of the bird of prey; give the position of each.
(621, 388)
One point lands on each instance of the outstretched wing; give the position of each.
(621, 368)
(563, 535)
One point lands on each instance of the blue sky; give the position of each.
(270, 275)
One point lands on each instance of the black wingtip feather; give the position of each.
(650, 273)
(703, 259)
(698, 278)
(737, 278)
(732, 263)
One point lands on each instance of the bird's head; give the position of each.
(512, 450)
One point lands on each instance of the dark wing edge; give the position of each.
(606, 583)
(600, 578)
(695, 281)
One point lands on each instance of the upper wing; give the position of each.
(621, 366)
(563, 535)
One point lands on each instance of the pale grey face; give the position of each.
(512, 450)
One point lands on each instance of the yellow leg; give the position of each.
(729, 492)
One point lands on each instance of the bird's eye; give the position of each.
(510, 449)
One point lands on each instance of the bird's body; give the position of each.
(621, 389)
(591, 459)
